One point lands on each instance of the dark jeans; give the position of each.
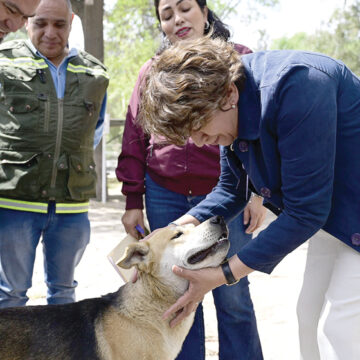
(238, 335)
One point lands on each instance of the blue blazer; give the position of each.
(299, 143)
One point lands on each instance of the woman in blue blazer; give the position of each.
(290, 120)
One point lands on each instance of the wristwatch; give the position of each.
(229, 276)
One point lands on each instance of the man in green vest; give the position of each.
(14, 13)
(52, 103)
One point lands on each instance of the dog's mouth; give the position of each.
(203, 254)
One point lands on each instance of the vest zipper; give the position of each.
(58, 142)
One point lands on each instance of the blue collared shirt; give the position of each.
(59, 78)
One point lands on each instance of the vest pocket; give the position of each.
(19, 106)
(82, 177)
(19, 112)
(43, 98)
(20, 74)
(19, 175)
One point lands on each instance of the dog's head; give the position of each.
(188, 246)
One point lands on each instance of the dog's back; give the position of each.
(125, 325)
(56, 332)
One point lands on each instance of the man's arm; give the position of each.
(100, 124)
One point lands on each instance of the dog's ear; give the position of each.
(134, 254)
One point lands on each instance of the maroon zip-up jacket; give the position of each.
(188, 169)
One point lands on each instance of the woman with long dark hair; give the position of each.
(176, 178)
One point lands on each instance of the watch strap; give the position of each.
(229, 276)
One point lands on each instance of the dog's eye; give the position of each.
(177, 235)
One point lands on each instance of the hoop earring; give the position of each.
(207, 25)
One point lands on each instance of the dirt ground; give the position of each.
(274, 296)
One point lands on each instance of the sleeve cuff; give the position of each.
(134, 201)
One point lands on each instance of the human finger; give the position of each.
(179, 305)
(184, 273)
(130, 219)
(183, 313)
(246, 215)
(253, 224)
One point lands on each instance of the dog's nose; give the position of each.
(217, 220)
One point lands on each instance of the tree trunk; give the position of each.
(91, 13)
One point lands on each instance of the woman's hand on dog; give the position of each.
(200, 282)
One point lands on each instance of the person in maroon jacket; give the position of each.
(174, 179)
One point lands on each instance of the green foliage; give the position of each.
(346, 44)
(20, 34)
(132, 37)
(223, 8)
(341, 40)
(298, 41)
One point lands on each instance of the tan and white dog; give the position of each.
(128, 324)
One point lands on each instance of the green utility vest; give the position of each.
(46, 143)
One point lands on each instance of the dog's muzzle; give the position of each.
(203, 254)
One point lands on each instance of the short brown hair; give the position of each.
(186, 84)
